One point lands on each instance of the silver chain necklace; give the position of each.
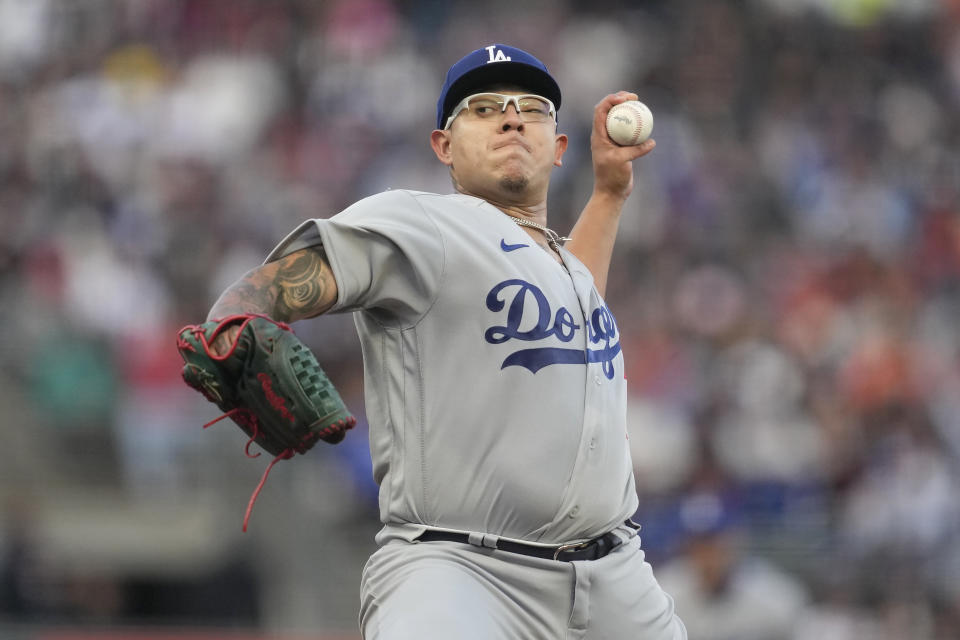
(554, 239)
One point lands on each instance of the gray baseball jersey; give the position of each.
(496, 400)
(494, 379)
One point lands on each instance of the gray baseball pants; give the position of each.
(456, 591)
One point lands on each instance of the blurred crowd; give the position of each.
(787, 283)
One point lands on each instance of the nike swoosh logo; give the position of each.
(511, 247)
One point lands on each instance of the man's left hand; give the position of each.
(612, 164)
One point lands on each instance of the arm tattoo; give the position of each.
(306, 284)
(298, 286)
(247, 295)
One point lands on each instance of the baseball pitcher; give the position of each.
(494, 377)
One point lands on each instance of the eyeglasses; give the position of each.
(485, 106)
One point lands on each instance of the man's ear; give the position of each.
(440, 143)
(561, 146)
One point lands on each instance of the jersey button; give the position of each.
(597, 380)
(573, 512)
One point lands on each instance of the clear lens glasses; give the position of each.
(485, 106)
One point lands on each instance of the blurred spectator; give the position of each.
(720, 590)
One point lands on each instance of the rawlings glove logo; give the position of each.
(526, 298)
(275, 401)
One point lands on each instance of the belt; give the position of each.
(589, 550)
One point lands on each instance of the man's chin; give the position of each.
(514, 184)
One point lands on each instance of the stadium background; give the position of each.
(787, 282)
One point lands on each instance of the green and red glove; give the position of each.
(268, 382)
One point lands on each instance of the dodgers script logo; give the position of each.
(602, 333)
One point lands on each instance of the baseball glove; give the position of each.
(269, 383)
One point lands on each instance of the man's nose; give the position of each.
(511, 119)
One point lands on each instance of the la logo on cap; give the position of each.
(496, 56)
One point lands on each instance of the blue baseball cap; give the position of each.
(495, 64)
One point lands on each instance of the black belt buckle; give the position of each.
(591, 549)
(571, 547)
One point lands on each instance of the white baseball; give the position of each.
(629, 123)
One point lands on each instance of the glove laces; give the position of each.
(250, 419)
(283, 455)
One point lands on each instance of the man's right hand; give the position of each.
(221, 346)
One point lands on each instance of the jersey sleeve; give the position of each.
(386, 254)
